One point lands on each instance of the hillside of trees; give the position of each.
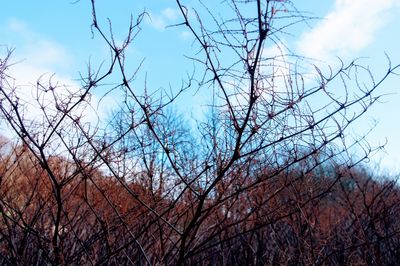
(300, 216)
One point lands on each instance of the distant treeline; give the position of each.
(329, 216)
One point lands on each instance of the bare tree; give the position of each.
(249, 183)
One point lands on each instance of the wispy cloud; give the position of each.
(351, 26)
(35, 55)
(166, 17)
(37, 50)
(171, 14)
(37, 58)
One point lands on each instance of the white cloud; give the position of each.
(24, 78)
(49, 54)
(17, 26)
(167, 17)
(351, 26)
(36, 57)
(171, 14)
(156, 21)
(185, 35)
(37, 50)
(276, 68)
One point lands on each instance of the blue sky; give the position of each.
(55, 37)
